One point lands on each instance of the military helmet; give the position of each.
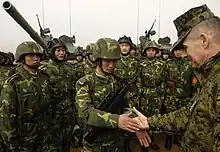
(27, 47)
(78, 51)
(134, 46)
(90, 48)
(151, 44)
(125, 39)
(55, 43)
(107, 49)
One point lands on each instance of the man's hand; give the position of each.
(127, 123)
(143, 138)
(142, 120)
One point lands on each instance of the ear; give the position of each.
(204, 40)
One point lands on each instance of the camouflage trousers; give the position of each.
(117, 146)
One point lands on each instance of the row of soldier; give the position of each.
(153, 78)
(44, 105)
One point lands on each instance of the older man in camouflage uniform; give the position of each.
(63, 77)
(24, 103)
(92, 89)
(199, 34)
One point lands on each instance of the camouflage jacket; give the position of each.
(89, 67)
(80, 67)
(24, 112)
(5, 72)
(178, 78)
(199, 120)
(63, 77)
(91, 90)
(149, 85)
(127, 67)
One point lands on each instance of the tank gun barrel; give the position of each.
(12, 11)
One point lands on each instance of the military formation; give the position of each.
(115, 96)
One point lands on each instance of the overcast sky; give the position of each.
(93, 19)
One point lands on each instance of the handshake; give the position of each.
(139, 125)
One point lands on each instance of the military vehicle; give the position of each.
(44, 37)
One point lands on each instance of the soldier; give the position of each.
(134, 50)
(63, 77)
(24, 103)
(149, 82)
(178, 82)
(79, 61)
(128, 67)
(92, 89)
(199, 34)
(89, 65)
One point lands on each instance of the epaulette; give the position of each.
(13, 78)
(70, 64)
(85, 79)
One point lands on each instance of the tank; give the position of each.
(44, 36)
(12, 11)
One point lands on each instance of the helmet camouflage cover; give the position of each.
(151, 44)
(125, 39)
(54, 43)
(107, 49)
(90, 48)
(27, 47)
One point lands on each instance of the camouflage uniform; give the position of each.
(91, 90)
(149, 97)
(199, 121)
(24, 105)
(63, 77)
(177, 81)
(79, 65)
(89, 65)
(128, 67)
(149, 84)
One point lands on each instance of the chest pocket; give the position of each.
(100, 91)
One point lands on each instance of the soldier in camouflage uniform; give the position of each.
(150, 94)
(89, 65)
(150, 81)
(24, 115)
(128, 67)
(134, 50)
(91, 90)
(79, 61)
(63, 77)
(178, 82)
(198, 33)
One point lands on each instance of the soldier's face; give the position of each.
(60, 53)
(125, 48)
(108, 66)
(79, 58)
(165, 56)
(194, 51)
(159, 54)
(151, 52)
(133, 52)
(178, 53)
(32, 60)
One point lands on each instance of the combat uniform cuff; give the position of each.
(115, 118)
